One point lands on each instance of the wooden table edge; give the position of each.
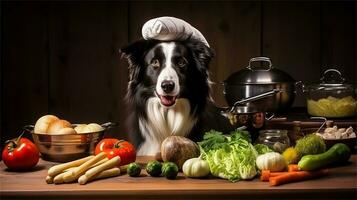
(342, 192)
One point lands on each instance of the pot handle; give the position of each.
(28, 128)
(332, 76)
(109, 125)
(257, 97)
(301, 85)
(260, 59)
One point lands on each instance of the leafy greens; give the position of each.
(230, 157)
(262, 149)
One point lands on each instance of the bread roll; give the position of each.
(56, 126)
(66, 131)
(43, 123)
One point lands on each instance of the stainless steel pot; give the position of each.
(251, 81)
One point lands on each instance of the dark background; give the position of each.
(62, 57)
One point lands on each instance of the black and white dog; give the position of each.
(169, 92)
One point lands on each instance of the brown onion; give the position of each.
(178, 149)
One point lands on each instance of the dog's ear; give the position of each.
(135, 53)
(203, 53)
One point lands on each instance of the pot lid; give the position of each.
(332, 79)
(251, 75)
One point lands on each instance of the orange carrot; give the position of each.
(296, 176)
(293, 168)
(266, 174)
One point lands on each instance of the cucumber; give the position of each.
(337, 154)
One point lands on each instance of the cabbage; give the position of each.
(230, 157)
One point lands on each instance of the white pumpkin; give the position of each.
(272, 161)
(195, 168)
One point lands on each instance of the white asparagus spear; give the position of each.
(96, 164)
(57, 169)
(98, 169)
(82, 168)
(49, 179)
(104, 174)
(58, 179)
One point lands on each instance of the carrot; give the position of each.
(266, 174)
(293, 168)
(296, 176)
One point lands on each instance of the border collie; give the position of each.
(169, 92)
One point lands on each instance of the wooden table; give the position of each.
(340, 184)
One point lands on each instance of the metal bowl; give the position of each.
(350, 142)
(64, 148)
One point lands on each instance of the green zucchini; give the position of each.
(337, 154)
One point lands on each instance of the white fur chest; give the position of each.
(162, 122)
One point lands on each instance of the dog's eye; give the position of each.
(155, 63)
(181, 62)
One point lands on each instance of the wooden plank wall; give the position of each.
(62, 57)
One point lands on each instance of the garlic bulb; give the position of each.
(195, 167)
(271, 161)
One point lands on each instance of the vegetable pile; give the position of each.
(229, 157)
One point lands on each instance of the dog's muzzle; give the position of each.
(166, 99)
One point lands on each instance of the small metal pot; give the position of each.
(250, 82)
(247, 116)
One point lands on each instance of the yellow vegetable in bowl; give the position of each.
(332, 107)
(88, 128)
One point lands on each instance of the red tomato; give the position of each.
(114, 147)
(20, 154)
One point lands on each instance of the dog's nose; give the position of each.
(167, 86)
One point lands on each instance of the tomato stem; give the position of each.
(18, 138)
(117, 144)
(14, 142)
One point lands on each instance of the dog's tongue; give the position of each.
(168, 100)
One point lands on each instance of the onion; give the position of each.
(56, 126)
(44, 122)
(178, 149)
